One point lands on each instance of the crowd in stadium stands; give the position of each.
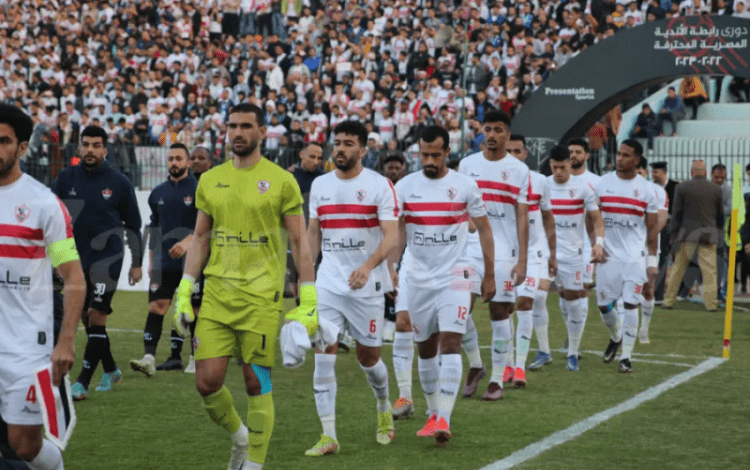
(158, 71)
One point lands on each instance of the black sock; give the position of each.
(176, 346)
(152, 332)
(108, 362)
(192, 335)
(92, 354)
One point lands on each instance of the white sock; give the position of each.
(377, 377)
(612, 322)
(523, 337)
(240, 436)
(403, 360)
(429, 375)
(450, 379)
(563, 309)
(248, 465)
(584, 309)
(647, 309)
(629, 331)
(471, 344)
(575, 327)
(501, 344)
(325, 388)
(48, 458)
(540, 317)
(511, 360)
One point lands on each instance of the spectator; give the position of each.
(692, 92)
(673, 110)
(646, 125)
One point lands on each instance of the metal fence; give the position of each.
(679, 153)
(145, 166)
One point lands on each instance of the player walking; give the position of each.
(436, 206)
(173, 216)
(243, 205)
(573, 206)
(353, 221)
(101, 201)
(504, 182)
(36, 234)
(629, 207)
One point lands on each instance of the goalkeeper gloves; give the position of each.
(183, 311)
(307, 312)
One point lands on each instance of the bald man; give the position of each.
(697, 219)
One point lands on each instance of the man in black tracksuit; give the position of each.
(104, 209)
(173, 215)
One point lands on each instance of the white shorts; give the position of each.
(588, 266)
(19, 403)
(433, 311)
(589, 269)
(477, 274)
(363, 315)
(544, 273)
(505, 290)
(531, 284)
(403, 295)
(570, 276)
(618, 279)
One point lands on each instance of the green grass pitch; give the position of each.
(159, 423)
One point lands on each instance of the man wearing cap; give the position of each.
(659, 176)
(372, 157)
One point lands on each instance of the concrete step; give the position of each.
(722, 111)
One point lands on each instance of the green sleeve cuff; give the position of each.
(62, 252)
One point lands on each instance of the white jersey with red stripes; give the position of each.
(436, 213)
(662, 200)
(539, 200)
(504, 183)
(591, 179)
(624, 205)
(350, 212)
(570, 201)
(31, 219)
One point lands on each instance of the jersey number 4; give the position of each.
(31, 395)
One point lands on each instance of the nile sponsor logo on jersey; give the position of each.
(106, 193)
(226, 238)
(263, 186)
(14, 282)
(187, 200)
(22, 213)
(343, 244)
(434, 239)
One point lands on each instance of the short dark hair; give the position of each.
(580, 142)
(518, 138)
(394, 157)
(355, 128)
(180, 145)
(497, 116)
(431, 133)
(453, 164)
(260, 115)
(718, 166)
(559, 153)
(94, 131)
(16, 118)
(642, 163)
(635, 145)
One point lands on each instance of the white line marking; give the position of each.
(565, 435)
(664, 363)
(599, 353)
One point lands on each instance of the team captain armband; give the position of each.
(62, 252)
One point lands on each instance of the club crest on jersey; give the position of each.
(572, 192)
(505, 174)
(452, 193)
(361, 195)
(263, 186)
(636, 192)
(22, 213)
(154, 287)
(106, 193)
(187, 200)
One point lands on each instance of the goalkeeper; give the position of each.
(244, 205)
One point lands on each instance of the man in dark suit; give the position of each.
(659, 176)
(697, 221)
